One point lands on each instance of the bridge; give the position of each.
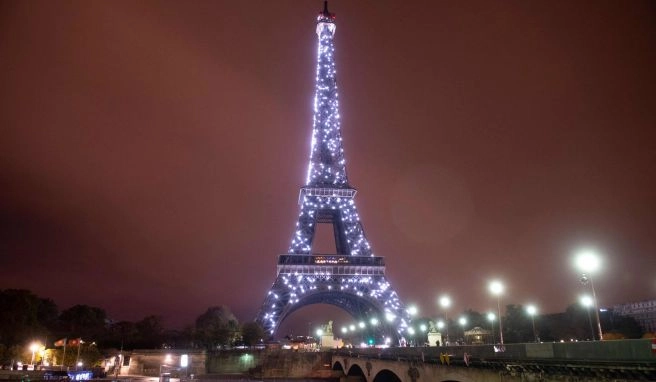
(620, 360)
(625, 360)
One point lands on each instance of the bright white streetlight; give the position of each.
(462, 321)
(587, 302)
(423, 327)
(588, 262)
(497, 289)
(440, 324)
(412, 310)
(33, 348)
(374, 321)
(491, 317)
(445, 303)
(532, 311)
(361, 325)
(320, 336)
(344, 329)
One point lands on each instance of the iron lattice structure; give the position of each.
(352, 278)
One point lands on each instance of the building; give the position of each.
(644, 312)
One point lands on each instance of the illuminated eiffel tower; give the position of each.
(352, 278)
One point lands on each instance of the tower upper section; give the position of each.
(327, 166)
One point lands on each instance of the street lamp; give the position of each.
(588, 262)
(411, 332)
(33, 348)
(463, 321)
(587, 302)
(532, 311)
(491, 317)
(445, 303)
(497, 289)
(320, 335)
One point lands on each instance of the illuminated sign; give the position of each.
(331, 260)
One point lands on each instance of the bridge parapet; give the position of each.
(639, 350)
(623, 359)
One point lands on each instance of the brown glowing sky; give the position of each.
(152, 151)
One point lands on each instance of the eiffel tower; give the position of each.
(352, 278)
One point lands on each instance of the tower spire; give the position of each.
(326, 14)
(327, 164)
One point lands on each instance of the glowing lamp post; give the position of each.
(532, 311)
(588, 262)
(33, 348)
(497, 289)
(463, 322)
(491, 317)
(320, 335)
(411, 332)
(586, 301)
(445, 303)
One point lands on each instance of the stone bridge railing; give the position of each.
(607, 360)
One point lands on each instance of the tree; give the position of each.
(178, 339)
(10, 353)
(517, 325)
(252, 333)
(89, 354)
(84, 321)
(150, 332)
(475, 319)
(216, 327)
(24, 316)
(121, 335)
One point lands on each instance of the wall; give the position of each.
(152, 362)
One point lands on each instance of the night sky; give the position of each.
(152, 151)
